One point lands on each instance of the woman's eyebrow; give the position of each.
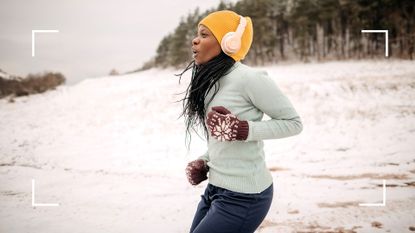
(203, 30)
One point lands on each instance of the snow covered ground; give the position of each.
(111, 152)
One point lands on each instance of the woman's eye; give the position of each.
(204, 35)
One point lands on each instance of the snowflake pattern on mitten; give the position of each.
(223, 127)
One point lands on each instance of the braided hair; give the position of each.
(204, 78)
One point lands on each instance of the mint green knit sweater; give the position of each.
(248, 93)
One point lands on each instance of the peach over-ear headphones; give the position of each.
(231, 42)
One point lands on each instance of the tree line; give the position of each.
(305, 30)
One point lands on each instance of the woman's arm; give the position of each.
(205, 156)
(265, 95)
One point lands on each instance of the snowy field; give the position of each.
(111, 153)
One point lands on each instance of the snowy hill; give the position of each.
(111, 152)
(5, 75)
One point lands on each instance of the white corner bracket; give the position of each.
(34, 204)
(386, 38)
(33, 37)
(378, 204)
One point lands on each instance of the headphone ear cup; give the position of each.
(230, 43)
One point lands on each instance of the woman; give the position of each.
(229, 100)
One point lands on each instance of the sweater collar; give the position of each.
(235, 65)
(238, 63)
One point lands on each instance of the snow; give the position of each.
(111, 152)
(6, 76)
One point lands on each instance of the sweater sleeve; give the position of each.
(266, 96)
(205, 156)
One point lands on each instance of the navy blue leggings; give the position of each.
(224, 211)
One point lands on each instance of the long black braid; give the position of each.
(204, 78)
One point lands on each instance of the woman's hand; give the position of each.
(224, 126)
(196, 171)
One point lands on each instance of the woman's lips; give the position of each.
(195, 52)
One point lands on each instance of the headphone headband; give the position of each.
(241, 27)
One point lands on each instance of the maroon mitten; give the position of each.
(224, 126)
(196, 171)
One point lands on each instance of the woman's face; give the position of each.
(204, 46)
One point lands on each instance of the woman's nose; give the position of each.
(195, 41)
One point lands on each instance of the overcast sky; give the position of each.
(94, 36)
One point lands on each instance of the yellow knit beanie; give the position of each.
(222, 22)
